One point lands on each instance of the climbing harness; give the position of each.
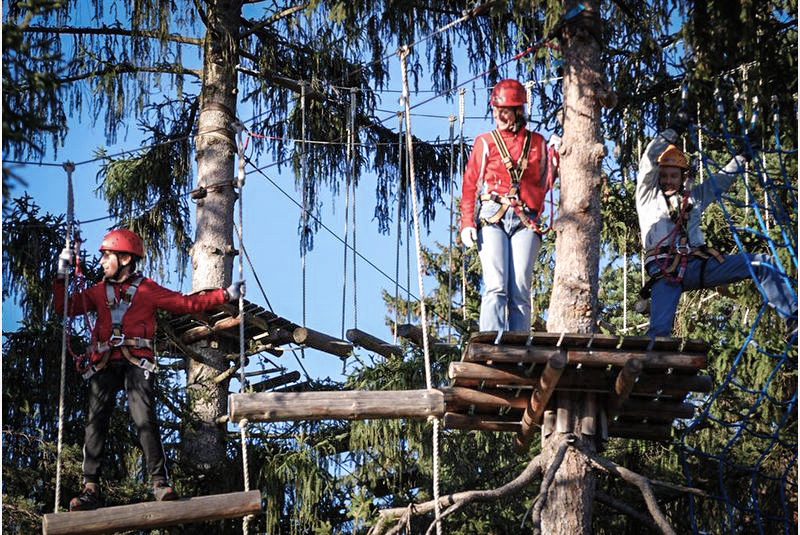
(98, 353)
(515, 171)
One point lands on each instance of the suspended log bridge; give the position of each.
(220, 328)
(151, 515)
(634, 388)
(413, 333)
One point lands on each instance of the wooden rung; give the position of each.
(657, 410)
(374, 344)
(203, 331)
(150, 515)
(273, 382)
(322, 342)
(461, 421)
(336, 405)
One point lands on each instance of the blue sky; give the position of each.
(270, 226)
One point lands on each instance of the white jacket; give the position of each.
(651, 204)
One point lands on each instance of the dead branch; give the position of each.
(454, 502)
(635, 479)
(623, 507)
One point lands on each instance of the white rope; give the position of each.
(399, 218)
(461, 93)
(423, 315)
(452, 121)
(242, 358)
(69, 168)
(304, 217)
(352, 148)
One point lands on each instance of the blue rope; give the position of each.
(745, 478)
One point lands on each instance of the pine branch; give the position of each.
(106, 30)
(126, 68)
(254, 27)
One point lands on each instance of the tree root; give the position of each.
(401, 516)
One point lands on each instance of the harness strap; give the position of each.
(515, 172)
(118, 308)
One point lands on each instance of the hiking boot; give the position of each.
(88, 499)
(164, 492)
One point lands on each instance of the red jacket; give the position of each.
(486, 173)
(140, 319)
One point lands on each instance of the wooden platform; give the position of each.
(638, 387)
(632, 387)
(150, 515)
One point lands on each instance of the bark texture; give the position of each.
(213, 252)
(573, 302)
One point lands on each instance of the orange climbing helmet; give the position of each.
(122, 240)
(508, 93)
(673, 157)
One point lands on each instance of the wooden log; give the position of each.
(414, 334)
(657, 410)
(588, 418)
(151, 515)
(374, 344)
(204, 331)
(548, 424)
(456, 398)
(454, 420)
(481, 352)
(660, 432)
(275, 337)
(473, 374)
(336, 405)
(322, 342)
(273, 382)
(539, 399)
(623, 386)
(564, 413)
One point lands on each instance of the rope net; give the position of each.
(742, 445)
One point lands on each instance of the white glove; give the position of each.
(469, 235)
(64, 262)
(555, 141)
(235, 291)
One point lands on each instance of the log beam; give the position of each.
(151, 515)
(336, 405)
(477, 352)
(322, 342)
(539, 399)
(623, 386)
(374, 344)
(204, 331)
(274, 382)
(454, 420)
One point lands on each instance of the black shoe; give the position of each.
(164, 492)
(87, 500)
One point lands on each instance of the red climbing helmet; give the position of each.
(122, 240)
(508, 93)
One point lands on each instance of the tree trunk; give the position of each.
(573, 301)
(213, 252)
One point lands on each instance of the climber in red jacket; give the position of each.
(121, 353)
(509, 172)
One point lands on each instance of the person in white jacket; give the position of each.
(677, 258)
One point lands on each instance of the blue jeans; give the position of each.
(507, 251)
(665, 294)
